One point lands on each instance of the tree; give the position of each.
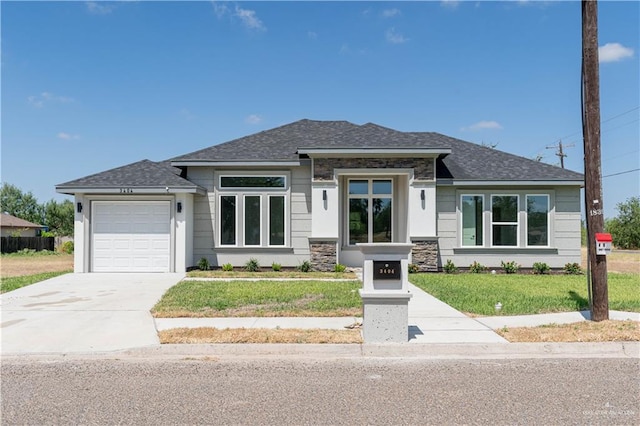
(19, 204)
(59, 217)
(625, 228)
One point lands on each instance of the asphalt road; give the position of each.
(338, 391)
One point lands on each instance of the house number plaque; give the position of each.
(386, 270)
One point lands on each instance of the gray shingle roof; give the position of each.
(145, 173)
(467, 161)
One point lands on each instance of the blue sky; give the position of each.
(88, 86)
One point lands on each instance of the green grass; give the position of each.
(260, 298)
(241, 273)
(12, 283)
(526, 294)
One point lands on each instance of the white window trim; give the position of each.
(484, 230)
(369, 196)
(220, 196)
(516, 223)
(526, 219)
(286, 227)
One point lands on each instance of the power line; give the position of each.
(621, 173)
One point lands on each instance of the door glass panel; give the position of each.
(358, 187)
(382, 220)
(358, 221)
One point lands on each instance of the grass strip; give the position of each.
(258, 335)
(260, 299)
(522, 294)
(585, 331)
(13, 283)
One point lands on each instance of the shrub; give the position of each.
(540, 268)
(413, 268)
(227, 267)
(572, 269)
(510, 267)
(203, 264)
(67, 247)
(450, 267)
(252, 265)
(276, 267)
(339, 268)
(47, 234)
(305, 266)
(477, 267)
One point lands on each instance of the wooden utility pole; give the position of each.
(560, 153)
(592, 157)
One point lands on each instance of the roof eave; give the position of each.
(130, 190)
(532, 182)
(237, 163)
(374, 152)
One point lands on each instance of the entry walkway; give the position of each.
(430, 321)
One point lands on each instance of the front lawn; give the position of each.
(525, 294)
(12, 283)
(260, 299)
(240, 273)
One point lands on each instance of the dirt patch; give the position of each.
(585, 331)
(258, 335)
(17, 266)
(619, 261)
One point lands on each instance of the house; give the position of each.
(11, 226)
(311, 190)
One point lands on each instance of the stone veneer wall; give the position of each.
(323, 255)
(423, 168)
(425, 255)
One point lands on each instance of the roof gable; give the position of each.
(9, 221)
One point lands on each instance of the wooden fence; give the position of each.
(14, 244)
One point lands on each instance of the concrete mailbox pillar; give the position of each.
(385, 292)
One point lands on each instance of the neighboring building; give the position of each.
(312, 190)
(11, 226)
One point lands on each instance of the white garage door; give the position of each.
(131, 236)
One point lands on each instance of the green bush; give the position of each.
(540, 268)
(413, 268)
(450, 267)
(276, 267)
(510, 267)
(476, 267)
(67, 247)
(227, 267)
(203, 264)
(572, 269)
(252, 265)
(339, 268)
(305, 266)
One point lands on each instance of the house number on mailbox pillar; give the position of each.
(386, 270)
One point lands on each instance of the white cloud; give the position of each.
(452, 4)
(254, 119)
(614, 52)
(344, 49)
(390, 13)
(249, 19)
(99, 8)
(483, 125)
(312, 35)
(67, 136)
(393, 37)
(39, 101)
(220, 9)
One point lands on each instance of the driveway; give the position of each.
(82, 313)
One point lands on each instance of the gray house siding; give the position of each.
(564, 229)
(205, 226)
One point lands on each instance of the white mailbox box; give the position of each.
(385, 292)
(603, 244)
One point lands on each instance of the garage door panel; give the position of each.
(131, 236)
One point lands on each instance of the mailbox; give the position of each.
(603, 244)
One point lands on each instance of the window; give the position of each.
(472, 229)
(254, 215)
(537, 220)
(504, 220)
(370, 210)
